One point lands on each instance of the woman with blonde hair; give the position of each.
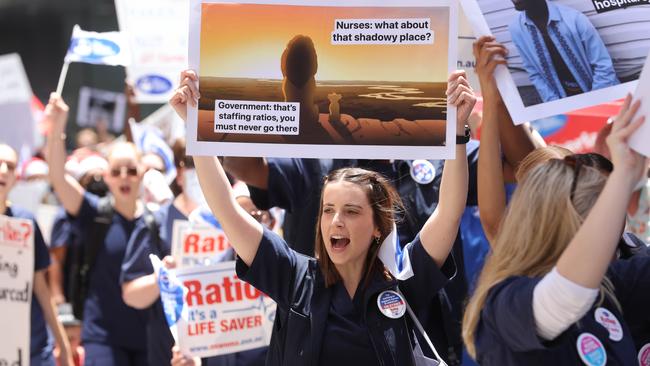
(550, 293)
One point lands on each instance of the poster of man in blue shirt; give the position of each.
(561, 50)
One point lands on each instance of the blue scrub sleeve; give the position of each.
(87, 212)
(286, 183)
(60, 235)
(136, 261)
(41, 254)
(508, 311)
(422, 289)
(277, 270)
(631, 280)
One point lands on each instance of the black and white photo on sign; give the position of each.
(101, 108)
(564, 54)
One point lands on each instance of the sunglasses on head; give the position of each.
(130, 171)
(11, 166)
(593, 160)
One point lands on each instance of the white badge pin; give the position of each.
(591, 350)
(391, 304)
(422, 171)
(608, 320)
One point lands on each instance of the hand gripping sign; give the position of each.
(16, 274)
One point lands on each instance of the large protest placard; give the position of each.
(323, 79)
(640, 141)
(221, 314)
(17, 125)
(16, 277)
(157, 33)
(564, 54)
(197, 244)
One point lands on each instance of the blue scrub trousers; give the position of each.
(98, 354)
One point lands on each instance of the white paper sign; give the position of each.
(196, 244)
(157, 33)
(640, 141)
(222, 314)
(16, 277)
(368, 78)
(98, 106)
(17, 124)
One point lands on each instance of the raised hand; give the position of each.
(623, 157)
(187, 91)
(488, 53)
(55, 115)
(461, 96)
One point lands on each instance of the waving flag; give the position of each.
(109, 48)
(395, 258)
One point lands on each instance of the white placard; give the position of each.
(157, 33)
(640, 141)
(222, 314)
(98, 106)
(363, 92)
(197, 244)
(16, 278)
(17, 125)
(604, 47)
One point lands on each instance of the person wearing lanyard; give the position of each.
(537, 300)
(112, 333)
(42, 307)
(337, 308)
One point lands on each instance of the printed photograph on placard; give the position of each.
(566, 54)
(323, 75)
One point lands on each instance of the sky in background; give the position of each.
(247, 40)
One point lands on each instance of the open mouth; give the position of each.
(339, 242)
(125, 190)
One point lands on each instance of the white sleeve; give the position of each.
(558, 303)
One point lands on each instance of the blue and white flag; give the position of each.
(149, 139)
(172, 293)
(395, 258)
(108, 48)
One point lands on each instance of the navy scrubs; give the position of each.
(112, 333)
(137, 264)
(295, 185)
(319, 325)
(506, 333)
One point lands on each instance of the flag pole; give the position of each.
(62, 76)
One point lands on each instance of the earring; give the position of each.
(376, 240)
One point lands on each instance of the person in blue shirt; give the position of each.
(112, 332)
(550, 292)
(561, 50)
(328, 311)
(42, 307)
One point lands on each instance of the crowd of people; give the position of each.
(524, 254)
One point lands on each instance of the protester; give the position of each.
(112, 332)
(43, 309)
(357, 215)
(561, 50)
(537, 298)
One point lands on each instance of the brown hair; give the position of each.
(385, 204)
(537, 157)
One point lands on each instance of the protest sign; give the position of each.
(16, 277)
(640, 141)
(584, 57)
(17, 126)
(364, 79)
(157, 34)
(221, 314)
(197, 244)
(101, 109)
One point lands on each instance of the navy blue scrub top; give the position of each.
(107, 319)
(285, 275)
(136, 264)
(39, 337)
(506, 334)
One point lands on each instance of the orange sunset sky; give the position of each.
(247, 40)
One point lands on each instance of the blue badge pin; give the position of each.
(391, 304)
(422, 171)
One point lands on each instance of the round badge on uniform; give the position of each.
(391, 304)
(644, 355)
(422, 171)
(591, 350)
(608, 320)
